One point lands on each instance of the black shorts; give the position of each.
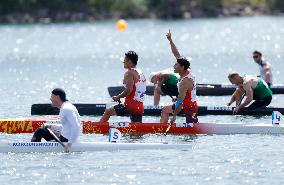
(168, 89)
(44, 133)
(191, 115)
(261, 103)
(121, 110)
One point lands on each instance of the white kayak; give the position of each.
(39, 147)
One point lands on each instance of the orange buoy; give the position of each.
(121, 25)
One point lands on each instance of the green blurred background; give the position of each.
(45, 11)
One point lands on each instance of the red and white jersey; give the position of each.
(134, 101)
(190, 97)
(139, 88)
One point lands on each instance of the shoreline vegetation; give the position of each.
(52, 11)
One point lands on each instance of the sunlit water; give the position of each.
(84, 60)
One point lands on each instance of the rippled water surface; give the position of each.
(84, 60)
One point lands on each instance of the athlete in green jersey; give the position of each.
(254, 88)
(165, 84)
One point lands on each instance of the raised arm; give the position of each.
(173, 46)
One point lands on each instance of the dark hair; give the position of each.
(132, 55)
(61, 93)
(184, 62)
(257, 52)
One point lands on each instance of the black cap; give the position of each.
(61, 93)
(183, 61)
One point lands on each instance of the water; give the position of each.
(84, 60)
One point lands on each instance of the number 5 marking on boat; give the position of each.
(114, 135)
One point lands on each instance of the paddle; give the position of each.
(240, 101)
(55, 137)
(168, 129)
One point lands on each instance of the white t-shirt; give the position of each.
(262, 71)
(71, 122)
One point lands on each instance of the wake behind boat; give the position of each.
(201, 90)
(38, 147)
(99, 108)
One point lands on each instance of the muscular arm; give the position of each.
(128, 80)
(162, 78)
(185, 85)
(249, 94)
(236, 96)
(173, 46)
(267, 74)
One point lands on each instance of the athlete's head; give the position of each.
(235, 78)
(257, 57)
(130, 59)
(182, 64)
(58, 96)
(153, 77)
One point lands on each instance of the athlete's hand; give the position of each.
(236, 110)
(174, 99)
(45, 125)
(229, 104)
(116, 98)
(169, 35)
(67, 147)
(173, 119)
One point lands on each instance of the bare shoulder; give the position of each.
(186, 82)
(267, 67)
(248, 79)
(164, 74)
(130, 72)
(248, 82)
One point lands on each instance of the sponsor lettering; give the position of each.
(119, 124)
(34, 144)
(19, 126)
(227, 86)
(184, 124)
(153, 107)
(101, 105)
(225, 108)
(53, 121)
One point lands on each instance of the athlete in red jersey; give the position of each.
(135, 87)
(187, 100)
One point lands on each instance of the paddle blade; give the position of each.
(168, 128)
(276, 118)
(114, 135)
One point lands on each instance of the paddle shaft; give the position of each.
(55, 137)
(241, 99)
(240, 102)
(168, 129)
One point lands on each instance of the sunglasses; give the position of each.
(255, 56)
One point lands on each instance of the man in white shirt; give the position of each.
(69, 118)
(264, 67)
